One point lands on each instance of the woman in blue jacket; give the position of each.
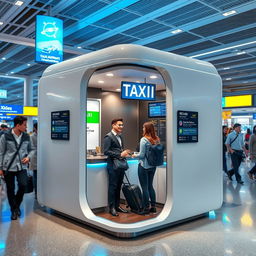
(146, 172)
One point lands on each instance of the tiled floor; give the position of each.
(227, 231)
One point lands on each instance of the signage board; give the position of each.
(11, 109)
(60, 125)
(237, 101)
(49, 39)
(187, 126)
(93, 124)
(226, 115)
(138, 91)
(3, 94)
(254, 116)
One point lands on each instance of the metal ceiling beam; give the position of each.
(141, 20)
(99, 15)
(20, 40)
(196, 24)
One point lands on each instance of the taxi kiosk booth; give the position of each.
(193, 137)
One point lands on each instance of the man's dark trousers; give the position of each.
(115, 179)
(15, 200)
(236, 161)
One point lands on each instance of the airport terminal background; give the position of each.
(220, 32)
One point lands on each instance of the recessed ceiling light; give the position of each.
(226, 68)
(79, 47)
(109, 74)
(153, 77)
(101, 82)
(239, 53)
(12, 72)
(1, 23)
(19, 3)
(7, 74)
(28, 64)
(229, 78)
(229, 13)
(3, 58)
(176, 31)
(223, 49)
(118, 90)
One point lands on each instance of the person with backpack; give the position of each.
(148, 160)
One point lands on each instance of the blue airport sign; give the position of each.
(138, 91)
(49, 39)
(254, 116)
(11, 109)
(3, 94)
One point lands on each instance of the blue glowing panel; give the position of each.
(3, 94)
(49, 39)
(138, 91)
(11, 109)
(156, 109)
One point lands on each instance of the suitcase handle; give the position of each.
(127, 180)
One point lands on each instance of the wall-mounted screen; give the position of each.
(49, 39)
(60, 125)
(138, 91)
(157, 109)
(187, 126)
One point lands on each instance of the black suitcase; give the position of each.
(133, 196)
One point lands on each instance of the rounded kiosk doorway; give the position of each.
(137, 94)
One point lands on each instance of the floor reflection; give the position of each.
(227, 231)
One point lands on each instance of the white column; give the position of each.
(28, 100)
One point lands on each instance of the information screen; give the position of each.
(187, 126)
(49, 39)
(60, 125)
(156, 109)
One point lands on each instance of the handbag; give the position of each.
(120, 164)
(30, 186)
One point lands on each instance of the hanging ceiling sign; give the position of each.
(138, 91)
(237, 101)
(11, 109)
(3, 94)
(49, 39)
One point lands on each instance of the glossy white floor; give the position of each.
(227, 231)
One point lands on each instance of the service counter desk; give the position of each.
(97, 181)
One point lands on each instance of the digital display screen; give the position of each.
(49, 39)
(187, 126)
(157, 109)
(60, 125)
(138, 91)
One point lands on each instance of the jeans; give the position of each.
(22, 178)
(35, 181)
(224, 162)
(146, 177)
(236, 161)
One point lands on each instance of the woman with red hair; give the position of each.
(146, 172)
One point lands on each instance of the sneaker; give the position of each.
(14, 215)
(153, 210)
(250, 175)
(240, 182)
(229, 176)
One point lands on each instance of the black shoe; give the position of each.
(153, 209)
(14, 215)
(18, 212)
(240, 182)
(120, 209)
(113, 212)
(250, 175)
(229, 176)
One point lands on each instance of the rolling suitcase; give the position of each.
(133, 196)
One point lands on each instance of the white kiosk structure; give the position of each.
(193, 171)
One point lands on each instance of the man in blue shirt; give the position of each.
(235, 146)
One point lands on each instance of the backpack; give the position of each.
(155, 154)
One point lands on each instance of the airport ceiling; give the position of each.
(220, 31)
